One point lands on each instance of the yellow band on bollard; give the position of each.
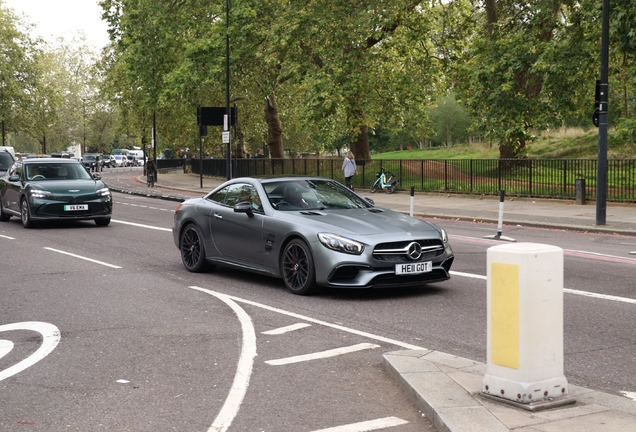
(505, 314)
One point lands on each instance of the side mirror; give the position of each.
(369, 200)
(14, 178)
(244, 207)
(97, 176)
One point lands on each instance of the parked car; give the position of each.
(311, 232)
(132, 161)
(109, 161)
(42, 189)
(120, 160)
(93, 162)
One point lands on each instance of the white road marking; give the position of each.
(326, 324)
(365, 426)
(630, 395)
(468, 275)
(565, 290)
(244, 369)
(50, 339)
(600, 296)
(83, 258)
(323, 354)
(5, 347)
(7, 237)
(141, 225)
(289, 328)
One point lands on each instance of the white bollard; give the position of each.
(525, 326)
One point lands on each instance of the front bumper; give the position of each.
(47, 209)
(338, 270)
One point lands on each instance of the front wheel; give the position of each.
(374, 187)
(192, 249)
(297, 268)
(25, 213)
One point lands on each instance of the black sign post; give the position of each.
(212, 116)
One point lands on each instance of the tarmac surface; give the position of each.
(447, 388)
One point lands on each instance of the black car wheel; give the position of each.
(192, 249)
(25, 212)
(3, 216)
(297, 268)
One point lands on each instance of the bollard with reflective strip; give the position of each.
(525, 326)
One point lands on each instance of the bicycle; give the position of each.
(385, 180)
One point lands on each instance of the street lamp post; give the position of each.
(228, 150)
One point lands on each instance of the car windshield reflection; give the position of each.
(56, 171)
(311, 195)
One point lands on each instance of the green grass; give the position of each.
(561, 144)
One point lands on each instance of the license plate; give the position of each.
(414, 268)
(75, 207)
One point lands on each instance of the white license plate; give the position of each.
(414, 268)
(75, 207)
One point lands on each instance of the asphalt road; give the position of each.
(143, 345)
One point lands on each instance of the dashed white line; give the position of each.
(366, 426)
(565, 290)
(83, 258)
(327, 324)
(286, 329)
(141, 225)
(322, 354)
(7, 237)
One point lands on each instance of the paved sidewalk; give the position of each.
(444, 387)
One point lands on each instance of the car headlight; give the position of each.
(103, 192)
(35, 193)
(341, 244)
(444, 235)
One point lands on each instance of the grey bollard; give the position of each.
(579, 186)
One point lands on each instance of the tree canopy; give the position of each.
(323, 75)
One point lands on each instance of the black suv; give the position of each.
(6, 161)
(93, 162)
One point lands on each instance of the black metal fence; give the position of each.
(546, 178)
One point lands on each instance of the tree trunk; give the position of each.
(274, 127)
(360, 145)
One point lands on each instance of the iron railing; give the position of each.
(542, 178)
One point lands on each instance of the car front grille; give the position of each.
(397, 251)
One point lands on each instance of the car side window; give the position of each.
(236, 193)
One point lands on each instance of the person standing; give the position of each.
(350, 169)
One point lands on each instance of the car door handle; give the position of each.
(218, 216)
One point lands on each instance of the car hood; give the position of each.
(69, 186)
(364, 222)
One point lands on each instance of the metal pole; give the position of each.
(154, 142)
(3, 132)
(228, 150)
(601, 186)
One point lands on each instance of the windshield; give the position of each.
(89, 158)
(56, 171)
(290, 195)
